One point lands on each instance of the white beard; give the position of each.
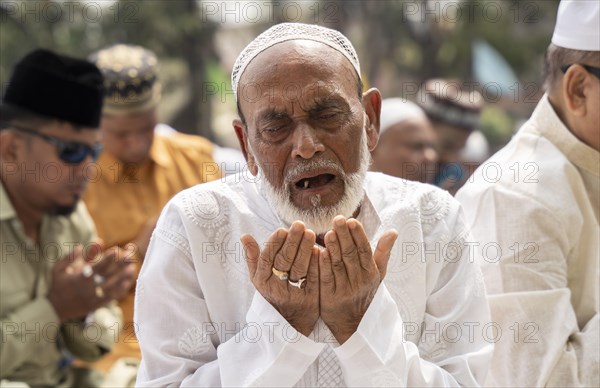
(319, 219)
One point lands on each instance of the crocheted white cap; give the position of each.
(396, 110)
(292, 31)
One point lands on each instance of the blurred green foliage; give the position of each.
(399, 42)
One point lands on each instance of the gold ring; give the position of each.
(98, 279)
(297, 284)
(99, 292)
(282, 275)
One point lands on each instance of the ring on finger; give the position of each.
(87, 271)
(298, 283)
(98, 279)
(99, 292)
(282, 275)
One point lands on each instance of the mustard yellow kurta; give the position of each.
(123, 199)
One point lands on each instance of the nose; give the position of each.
(430, 155)
(306, 143)
(136, 143)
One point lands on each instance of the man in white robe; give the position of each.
(533, 207)
(307, 270)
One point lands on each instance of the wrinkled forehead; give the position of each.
(297, 71)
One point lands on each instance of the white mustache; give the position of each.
(311, 165)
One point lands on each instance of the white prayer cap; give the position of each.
(477, 148)
(292, 31)
(578, 25)
(397, 110)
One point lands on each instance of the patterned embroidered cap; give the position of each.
(448, 102)
(292, 31)
(130, 77)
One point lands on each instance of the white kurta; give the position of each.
(535, 205)
(200, 321)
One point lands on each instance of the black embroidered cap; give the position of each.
(56, 86)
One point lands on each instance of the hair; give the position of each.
(557, 57)
(359, 86)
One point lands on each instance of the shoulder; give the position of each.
(208, 205)
(388, 191)
(184, 143)
(529, 167)
(398, 199)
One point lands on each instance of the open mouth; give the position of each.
(314, 182)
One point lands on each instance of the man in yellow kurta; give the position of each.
(143, 165)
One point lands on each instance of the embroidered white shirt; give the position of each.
(200, 321)
(533, 207)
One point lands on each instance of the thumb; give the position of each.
(252, 252)
(383, 251)
(92, 250)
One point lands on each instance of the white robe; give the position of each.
(200, 321)
(535, 205)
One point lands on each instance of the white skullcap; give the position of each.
(477, 148)
(292, 31)
(397, 110)
(578, 25)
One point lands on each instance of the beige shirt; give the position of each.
(32, 336)
(533, 207)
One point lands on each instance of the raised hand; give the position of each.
(292, 253)
(350, 274)
(87, 279)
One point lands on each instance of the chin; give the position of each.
(319, 217)
(62, 210)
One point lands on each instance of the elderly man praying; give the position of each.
(310, 271)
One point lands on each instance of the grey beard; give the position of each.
(318, 218)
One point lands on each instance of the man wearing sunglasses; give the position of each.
(56, 281)
(542, 217)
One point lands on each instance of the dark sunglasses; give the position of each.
(68, 151)
(591, 69)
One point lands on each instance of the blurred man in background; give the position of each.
(143, 165)
(542, 218)
(54, 278)
(454, 112)
(406, 146)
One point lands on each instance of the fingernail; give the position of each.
(339, 220)
(352, 223)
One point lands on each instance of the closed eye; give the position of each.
(328, 115)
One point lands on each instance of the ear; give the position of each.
(10, 146)
(575, 86)
(242, 134)
(372, 105)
